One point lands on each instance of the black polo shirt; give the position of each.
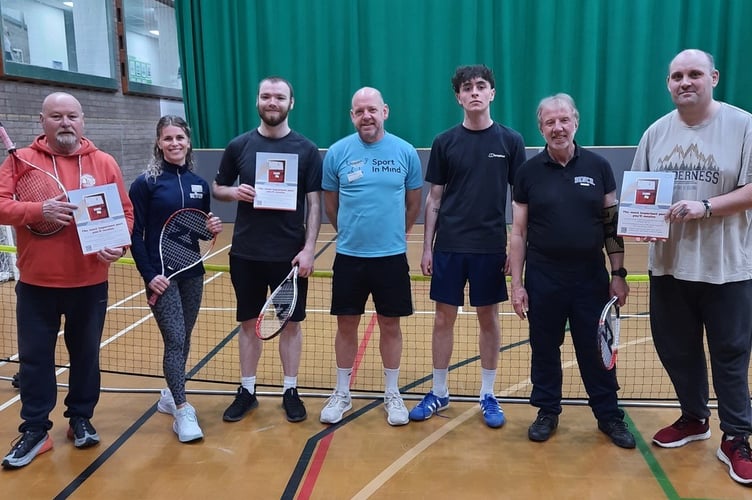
(565, 206)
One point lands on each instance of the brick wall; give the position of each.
(121, 125)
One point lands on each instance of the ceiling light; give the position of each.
(68, 4)
(154, 32)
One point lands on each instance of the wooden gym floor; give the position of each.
(264, 456)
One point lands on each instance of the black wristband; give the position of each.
(621, 272)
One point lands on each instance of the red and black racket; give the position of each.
(185, 241)
(34, 184)
(279, 307)
(609, 325)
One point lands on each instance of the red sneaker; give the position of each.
(736, 454)
(681, 432)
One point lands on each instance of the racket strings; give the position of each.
(185, 240)
(33, 185)
(283, 300)
(607, 336)
(278, 309)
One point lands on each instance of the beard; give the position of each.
(271, 119)
(66, 140)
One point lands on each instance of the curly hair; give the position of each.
(468, 73)
(154, 168)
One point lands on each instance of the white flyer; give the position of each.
(100, 219)
(276, 181)
(645, 199)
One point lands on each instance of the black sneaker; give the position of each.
(83, 434)
(30, 444)
(545, 425)
(617, 430)
(244, 402)
(293, 405)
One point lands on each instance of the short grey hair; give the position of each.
(561, 98)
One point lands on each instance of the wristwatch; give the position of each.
(621, 272)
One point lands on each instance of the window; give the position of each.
(59, 41)
(151, 45)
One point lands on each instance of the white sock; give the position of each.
(343, 380)
(249, 383)
(391, 378)
(487, 380)
(440, 389)
(289, 382)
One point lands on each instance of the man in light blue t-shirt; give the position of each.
(372, 184)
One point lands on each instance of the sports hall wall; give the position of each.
(610, 55)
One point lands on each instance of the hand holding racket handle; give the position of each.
(7, 143)
(158, 280)
(186, 240)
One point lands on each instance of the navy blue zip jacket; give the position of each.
(154, 200)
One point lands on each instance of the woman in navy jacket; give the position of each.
(169, 184)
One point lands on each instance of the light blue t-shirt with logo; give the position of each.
(372, 181)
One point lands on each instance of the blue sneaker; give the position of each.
(492, 412)
(429, 405)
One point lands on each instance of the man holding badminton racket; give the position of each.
(170, 192)
(57, 279)
(268, 242)
(701, 275)
(564, 213)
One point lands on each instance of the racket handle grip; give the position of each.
(7, 143)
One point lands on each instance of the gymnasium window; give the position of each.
(60, 41)
(151, 48)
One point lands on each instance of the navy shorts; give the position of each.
(387, 279)
(254, 280)
(485, 273)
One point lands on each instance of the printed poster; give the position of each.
(100, 219)
(645, 199)
(276, 181)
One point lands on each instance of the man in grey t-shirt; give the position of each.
(701, 276)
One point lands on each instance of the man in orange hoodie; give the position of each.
(57, 279)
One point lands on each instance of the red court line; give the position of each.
(315, 469)
(317, 462)
(362, 347)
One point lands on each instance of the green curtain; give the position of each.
(610, 55)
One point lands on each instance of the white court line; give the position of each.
(396, 466)
(109, 340)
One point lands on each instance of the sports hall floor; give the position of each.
(264, 456)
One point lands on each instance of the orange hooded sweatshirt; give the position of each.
(57, 261)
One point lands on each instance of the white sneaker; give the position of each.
(186, 424)
(335, 408)
(166, 402)
(396, 412)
